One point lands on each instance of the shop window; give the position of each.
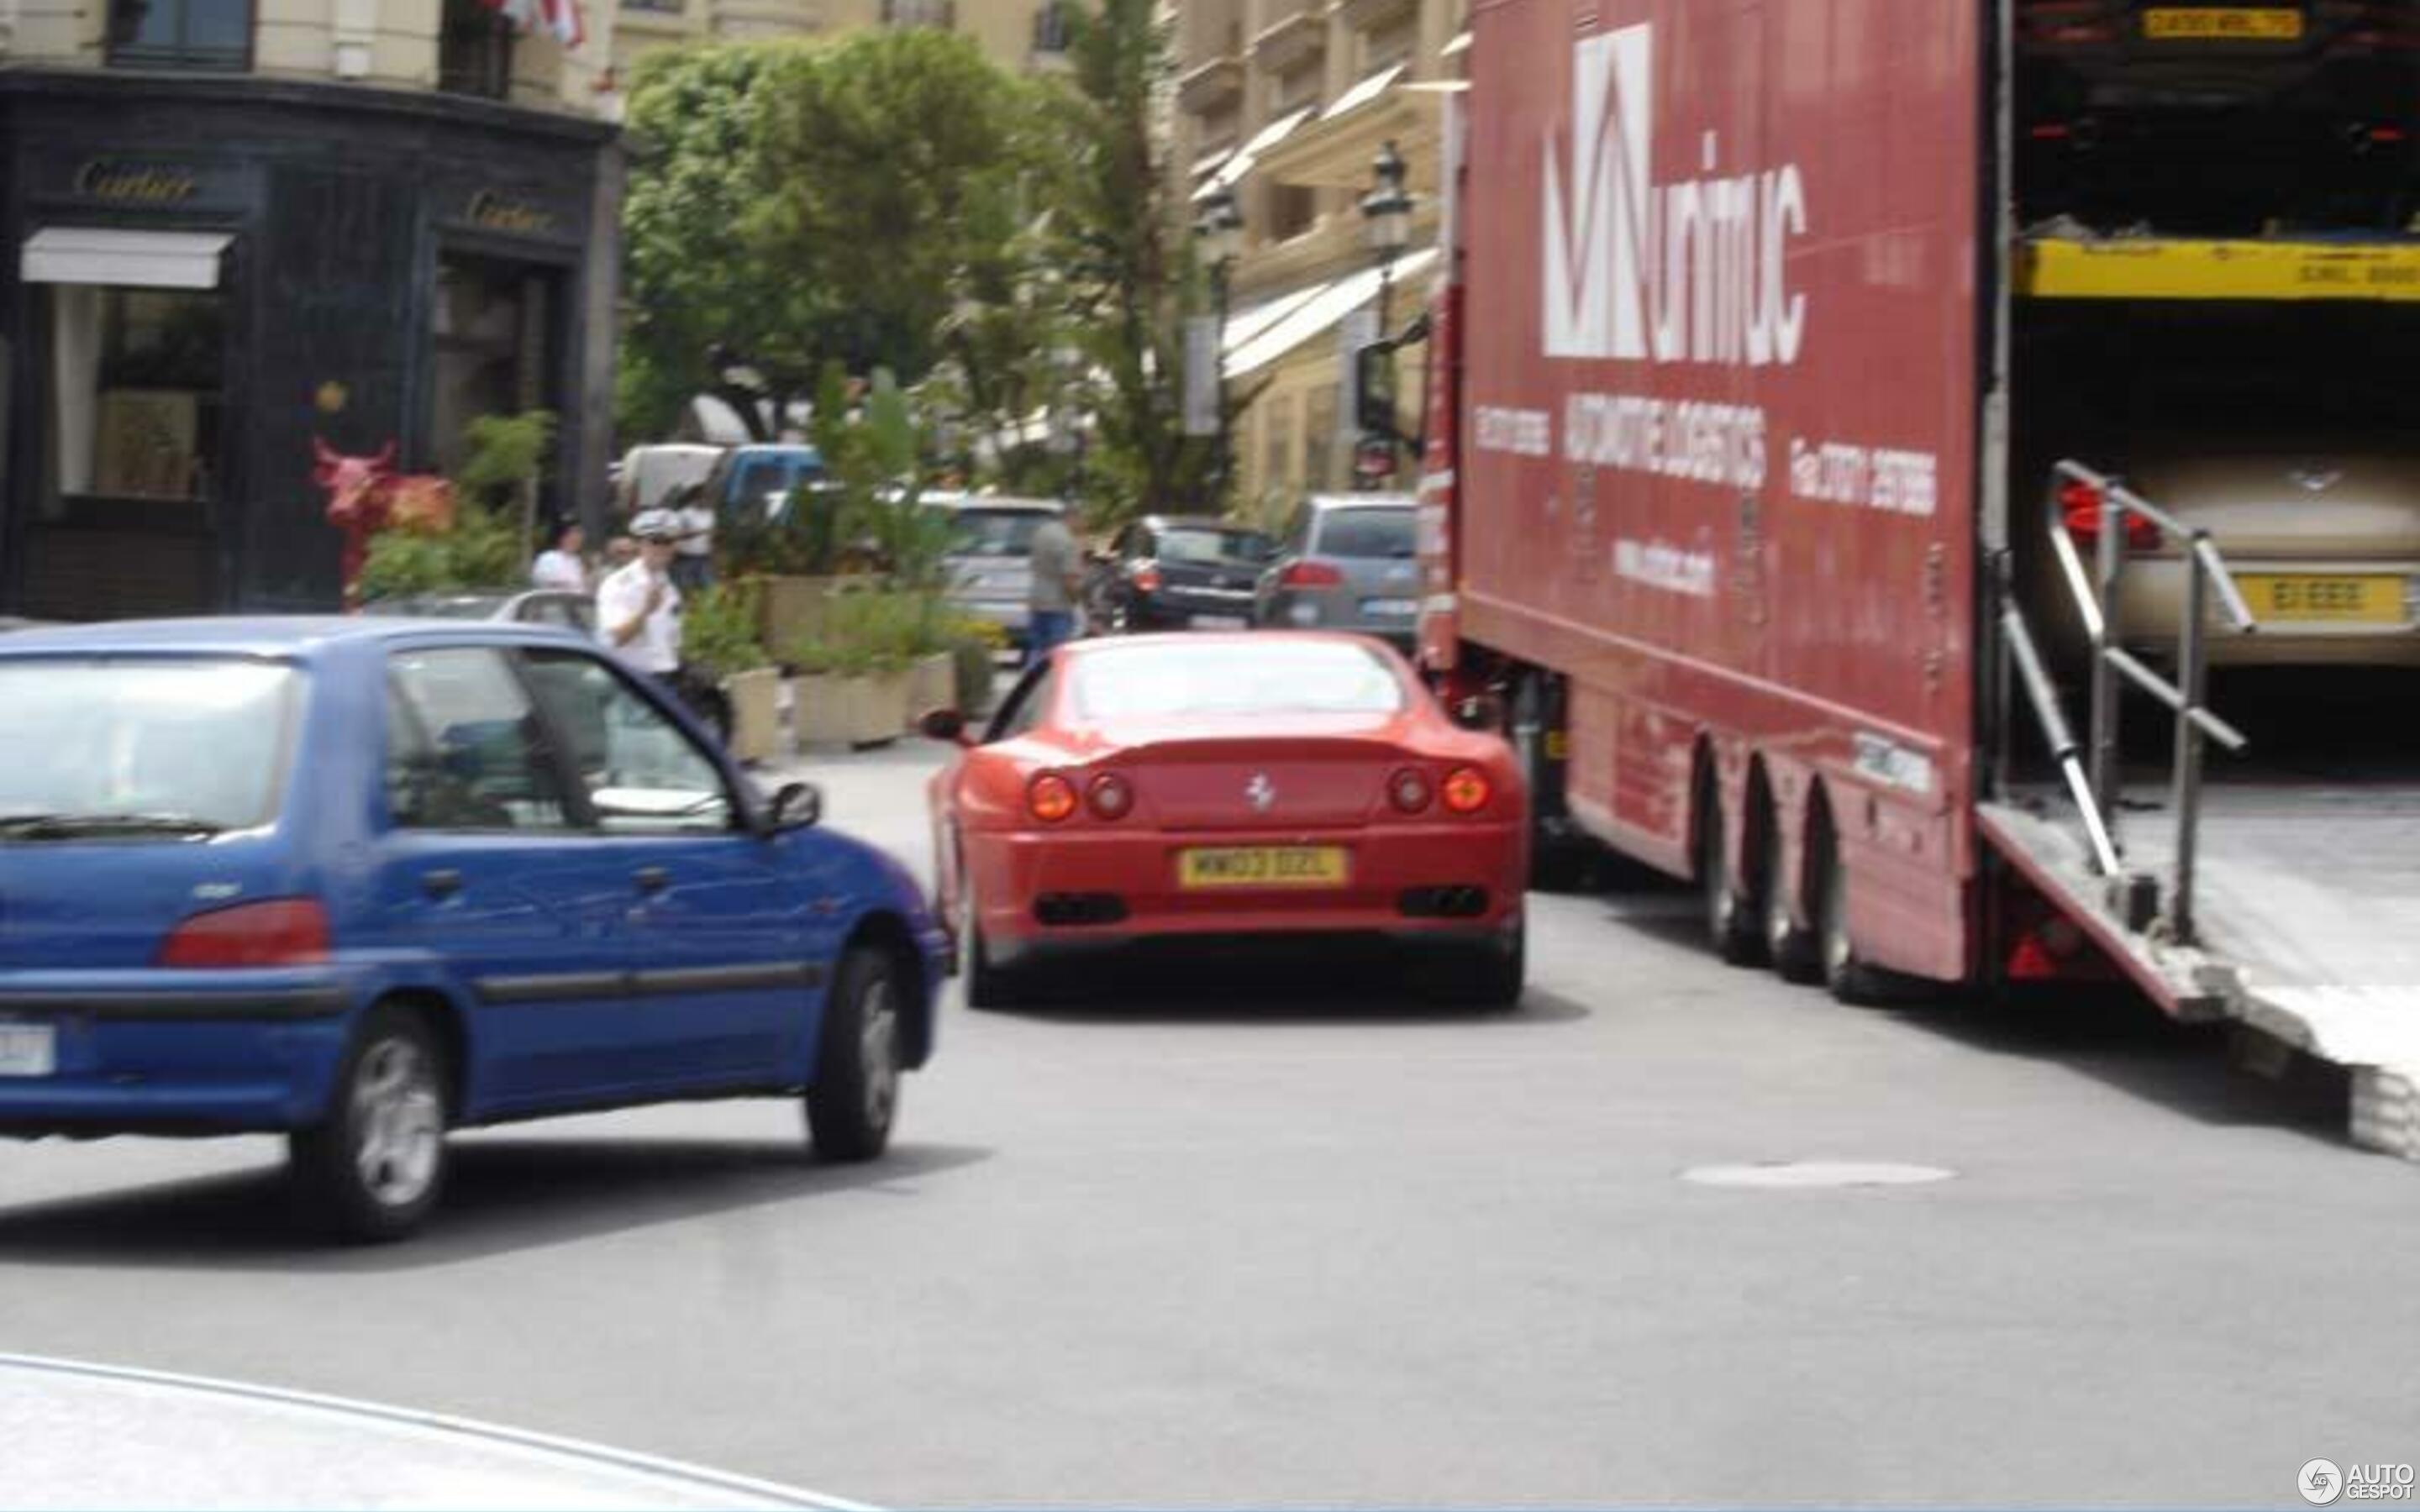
(497, 339)
(656, 8)
(474, 51)
(139, 387)
(180, 34)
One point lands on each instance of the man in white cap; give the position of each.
(638, 607)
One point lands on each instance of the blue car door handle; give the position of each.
(652, 879)
(440, 885)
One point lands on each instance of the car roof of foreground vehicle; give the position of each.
(295, 635)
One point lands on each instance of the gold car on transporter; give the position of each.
(2324, 547)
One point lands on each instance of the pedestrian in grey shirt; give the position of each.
(1058, 582)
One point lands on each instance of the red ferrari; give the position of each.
(1208, 788)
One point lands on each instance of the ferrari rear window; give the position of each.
(1230, 677)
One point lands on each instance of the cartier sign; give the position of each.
(136, 183)
(492, 212)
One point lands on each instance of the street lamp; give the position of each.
(1219, 227)
(1386, 215)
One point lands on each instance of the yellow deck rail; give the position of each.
(2154, 268)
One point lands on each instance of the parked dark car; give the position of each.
(1174, 572)
(2220, 116)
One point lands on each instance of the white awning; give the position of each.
(1245, 324)
(1457, 47)
(1209, 161)
(1362, 93)
(140, 259)
(1267, 137)
(1327, 304)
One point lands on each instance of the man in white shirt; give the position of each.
(561, 566)
(638, 608)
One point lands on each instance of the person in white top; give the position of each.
(638, 608)
(561, 566)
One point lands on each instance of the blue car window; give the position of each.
(642, 773)
(463, 746)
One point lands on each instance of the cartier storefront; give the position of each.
(205, 275)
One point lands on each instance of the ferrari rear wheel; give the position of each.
(989, 986)
(1490, 975)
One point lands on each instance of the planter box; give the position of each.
(756, 712)
(875, 709)
(789, 609)
(817, 717)
(932, 684)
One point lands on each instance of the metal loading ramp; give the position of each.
(2307, 926)
(2280, 900)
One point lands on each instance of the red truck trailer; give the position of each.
(1722, 506)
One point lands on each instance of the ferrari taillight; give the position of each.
(1111, 796)
(1409, 790)
(281, 932)
(1467, 790)
(1051, 797)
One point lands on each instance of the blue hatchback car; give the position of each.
(360, 881)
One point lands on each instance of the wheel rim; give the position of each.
(399, 1123)
(1722, 905)
(1836, 926)
(1779, 926)
(878, 1048)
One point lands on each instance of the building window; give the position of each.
(1051, 33)
(1319, 441)
(180, 34)
(474, 51)
(1293, 208)
(140, 388)
(656, 8)
(940, 13)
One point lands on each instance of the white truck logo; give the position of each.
(1692, 271)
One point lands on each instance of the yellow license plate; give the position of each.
(2209, 24)
(1262, 866)
(2373, 598)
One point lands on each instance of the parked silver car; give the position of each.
(1349, 562)
(990, 556)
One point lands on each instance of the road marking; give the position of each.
(443, 1423)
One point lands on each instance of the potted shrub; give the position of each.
(719, 633)
(816, 715)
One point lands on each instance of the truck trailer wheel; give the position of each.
(1737, 929)
(1851, 980)
(1788, 945)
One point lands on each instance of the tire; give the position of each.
(988, 987)
(1734, 925)
(1851, 981)
(1558, 863)
(1490, 975)
(373, 1170)
(855, 1097)
(1787, 944)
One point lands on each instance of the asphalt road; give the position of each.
(1241, 1249)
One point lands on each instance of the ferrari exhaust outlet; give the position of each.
(1066, 909)
(1443, 902)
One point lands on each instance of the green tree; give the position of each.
(692, 277)
(1135, 272)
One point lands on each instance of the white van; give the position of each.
(648, 475)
